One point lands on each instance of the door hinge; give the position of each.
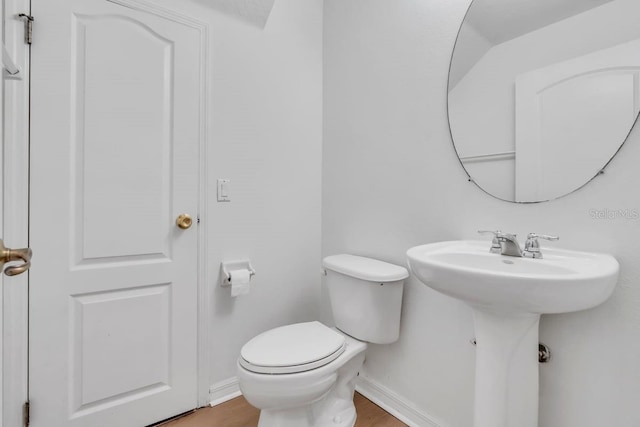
(28, 27)
(26, 413)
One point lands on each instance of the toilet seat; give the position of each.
(292, 349)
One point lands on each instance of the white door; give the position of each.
(15, 213)
(115, 116)
(571, 118)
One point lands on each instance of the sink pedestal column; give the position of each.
(506, 390)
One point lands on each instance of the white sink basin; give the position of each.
(508, 295)
(562, 281)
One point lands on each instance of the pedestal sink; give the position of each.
(508, 295)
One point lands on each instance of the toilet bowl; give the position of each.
(304, 375)
(316, 397)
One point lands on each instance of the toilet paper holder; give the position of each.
(228, 266)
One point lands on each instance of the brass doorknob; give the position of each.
(184, 221)
(8, 255)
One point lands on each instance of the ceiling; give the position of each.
(502, 20)
(255, 12)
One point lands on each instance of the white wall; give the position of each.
(265, 135)
(391, 180)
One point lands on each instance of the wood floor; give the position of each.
(238, 413)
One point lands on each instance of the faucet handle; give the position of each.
(542, 236)
(532, 246)
(496, 248)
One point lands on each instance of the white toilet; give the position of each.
(303, 375)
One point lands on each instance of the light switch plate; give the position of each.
(223, 190)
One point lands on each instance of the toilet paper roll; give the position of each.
(240, 281)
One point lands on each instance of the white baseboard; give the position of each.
(224, 391)
(395, 404)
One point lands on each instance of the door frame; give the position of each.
(15, 210)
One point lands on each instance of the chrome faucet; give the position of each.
(507, 244)
(504, 243)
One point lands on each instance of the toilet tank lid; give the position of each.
(363, 268)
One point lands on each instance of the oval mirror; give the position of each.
(543, 93)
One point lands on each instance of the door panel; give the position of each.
(122, 137)
(105, 340)
(115, 139)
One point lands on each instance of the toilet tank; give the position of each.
(366, 296)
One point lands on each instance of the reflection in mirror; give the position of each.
(542, 93)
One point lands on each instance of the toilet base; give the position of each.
(304, 417)
(334, 409)
(322, 397)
